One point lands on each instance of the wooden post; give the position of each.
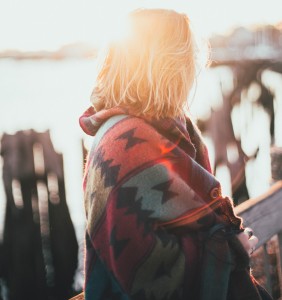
(276, 163)
(268, 284)
(279, 260)
(276, 173)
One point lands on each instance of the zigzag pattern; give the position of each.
(110, 173)
(164, 188)
(131, 140)
(117, 244)
(160, 271)
(126, 198)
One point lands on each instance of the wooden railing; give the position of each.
(264, 215)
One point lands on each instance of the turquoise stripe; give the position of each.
(101, 285)
(104, 128)
(97, 283)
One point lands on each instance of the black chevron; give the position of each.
(131, 140)
(161, 271)
(164, 188)
(110, 173)
(117, 245)
(126, 198)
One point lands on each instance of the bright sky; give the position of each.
(48, 24)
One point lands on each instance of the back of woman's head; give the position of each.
(150, 71)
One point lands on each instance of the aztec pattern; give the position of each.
(142, 175)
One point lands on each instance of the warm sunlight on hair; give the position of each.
(152, 69)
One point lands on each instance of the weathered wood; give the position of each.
(276, 163)
(39, 251)
(266, 266)
(263, 214)
(223, 139)
(279, 260)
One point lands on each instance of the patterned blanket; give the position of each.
(157, 224)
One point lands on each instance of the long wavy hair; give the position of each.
(150, 71)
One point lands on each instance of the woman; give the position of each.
(157, 224)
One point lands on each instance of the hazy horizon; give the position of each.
(33, 25)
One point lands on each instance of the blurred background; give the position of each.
(48, 64)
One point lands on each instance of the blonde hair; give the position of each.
(152, 70)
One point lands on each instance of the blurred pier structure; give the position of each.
(245, 132)
(39, 250)
(263, 214)
(260, 42)
(246, 121)
(245, 129)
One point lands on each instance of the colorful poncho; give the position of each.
(157, 225)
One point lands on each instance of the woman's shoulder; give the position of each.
(128, 140)
(125, 146)
(127, 127)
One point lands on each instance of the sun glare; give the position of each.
(98, 22)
